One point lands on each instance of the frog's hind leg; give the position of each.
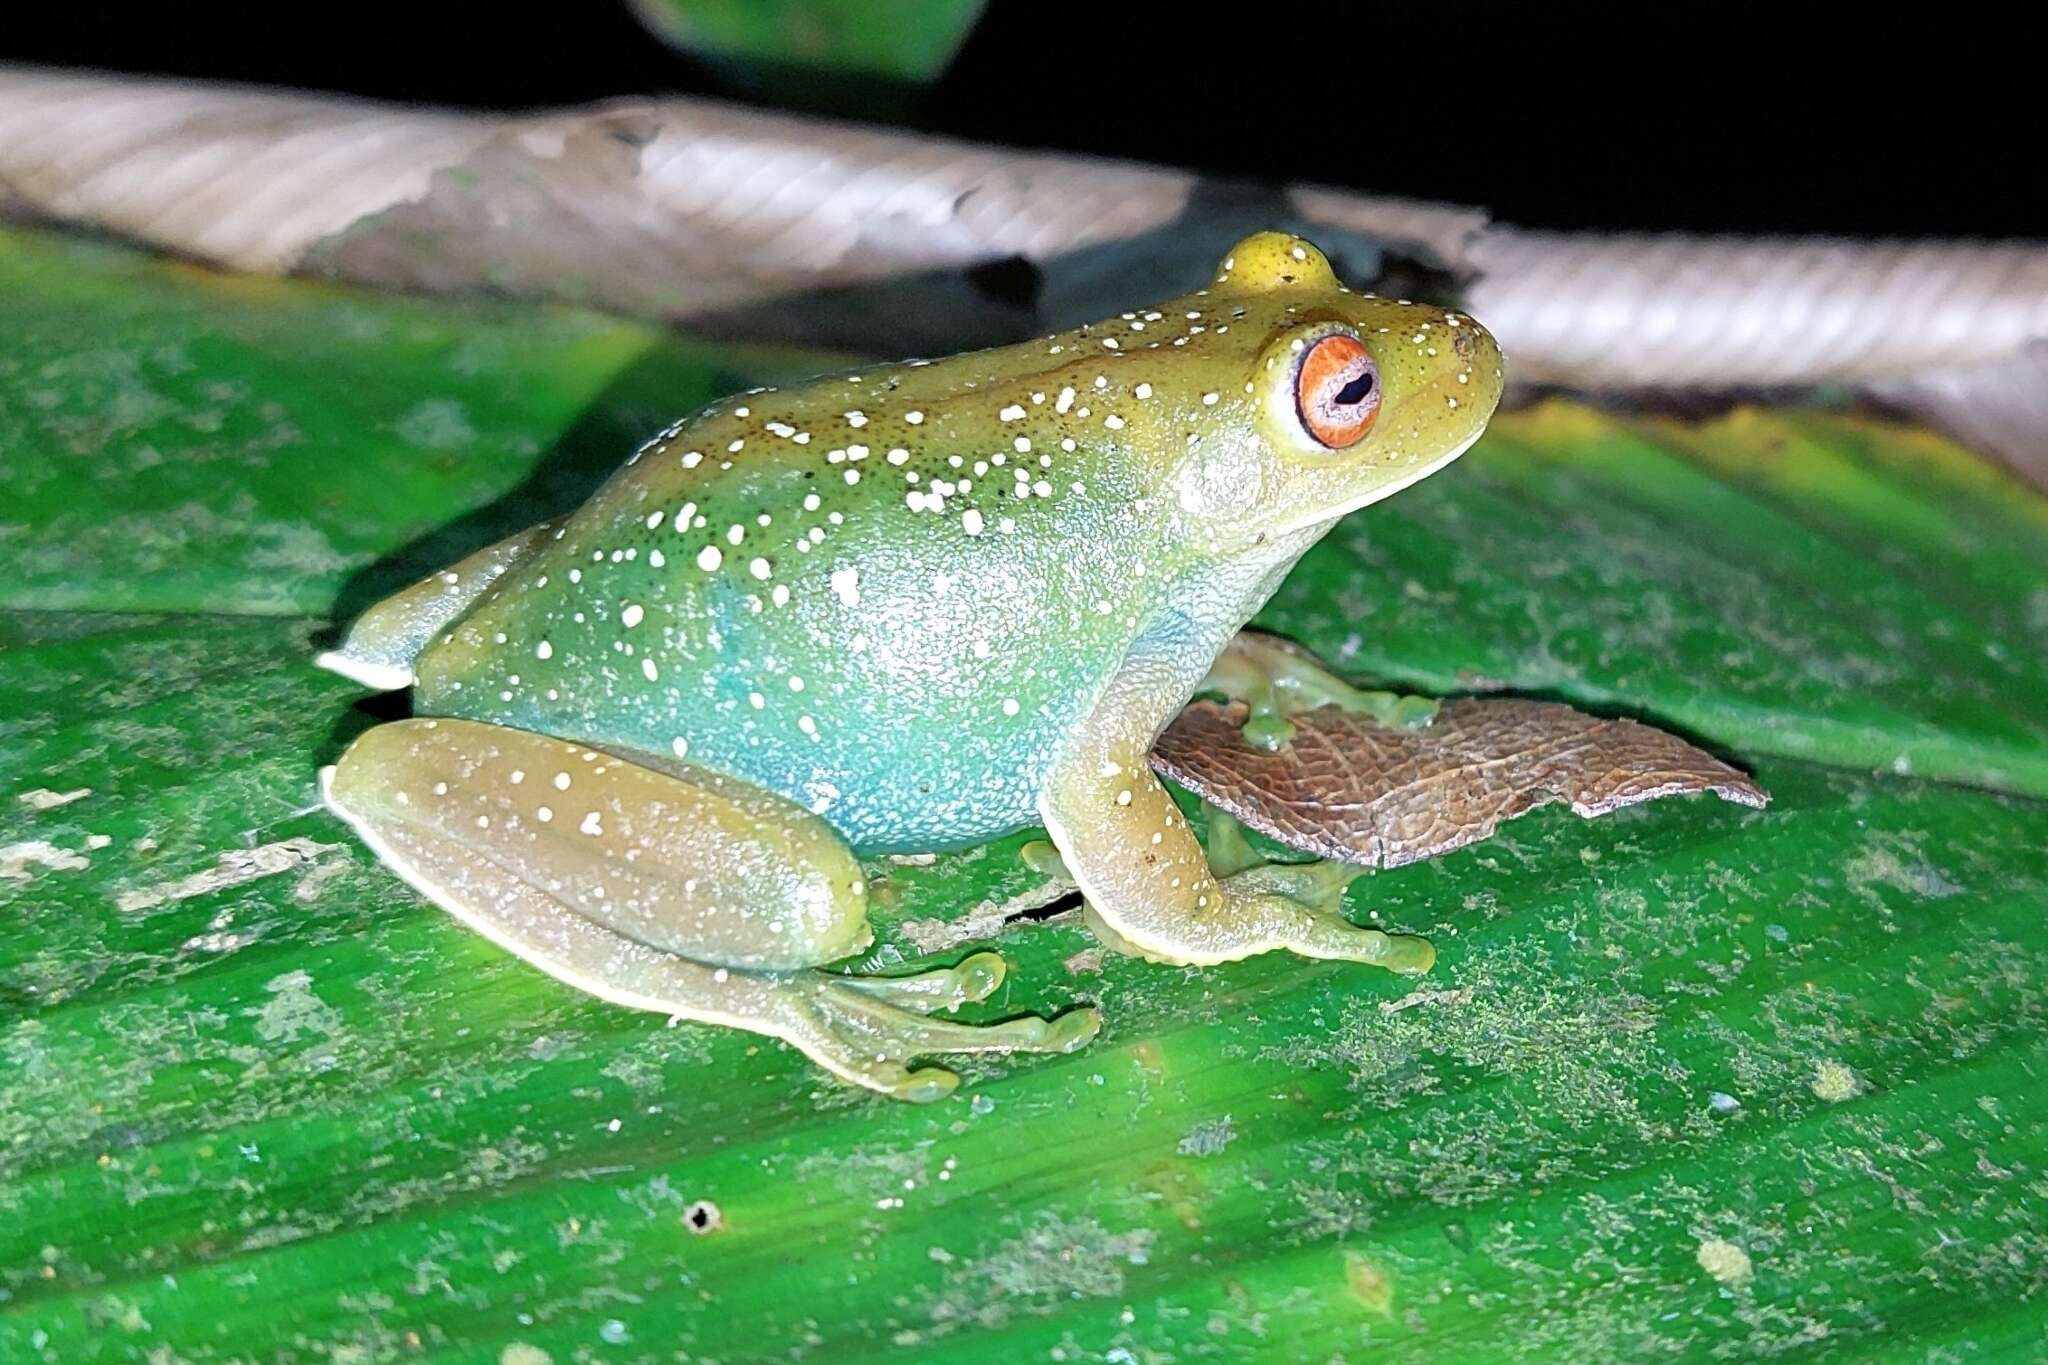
(380, 647)
(663, 888)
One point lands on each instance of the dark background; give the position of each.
(1861, 119)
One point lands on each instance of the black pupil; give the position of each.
(1356, 390)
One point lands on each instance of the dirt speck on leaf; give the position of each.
(1725, 1261)
(1835, 1082)
(1208, 1138)
(1370, 1284)
(1053, 1261)
(42, 798)
(1899, 866)
(17, 859)
(1426, 997)
(229, 869)
(293, 1009)
(437, 424)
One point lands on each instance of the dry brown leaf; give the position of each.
(1377, 796)
(770, 227)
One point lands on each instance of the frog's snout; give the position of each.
(1470, 387)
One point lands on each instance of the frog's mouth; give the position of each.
(1385, 490)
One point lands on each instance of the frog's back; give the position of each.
(885, 596)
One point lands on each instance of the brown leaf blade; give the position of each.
(1377, 796)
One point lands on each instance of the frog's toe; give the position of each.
(1295, 906)
(1073, 1030)
(1106, 934)
(1043, 858)
(1302, 906)
(973, 978)
(1395, 709)
(1270, 732)
(925, 1085)
(1412, 713)
(868, 1040)
(1318, 885)
(977, 976)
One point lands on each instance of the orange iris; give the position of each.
(1337, 391)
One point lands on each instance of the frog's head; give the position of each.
(1316, 400)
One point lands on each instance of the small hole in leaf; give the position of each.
(703, 1218)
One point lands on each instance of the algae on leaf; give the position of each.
(1690, 1079)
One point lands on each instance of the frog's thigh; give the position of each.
(382, 644)
(678, 891)
(1146, 878)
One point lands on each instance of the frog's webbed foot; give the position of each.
(1299, 906)
(1276, 680)
(855, 1027)
(1317, 887)
(674, 890)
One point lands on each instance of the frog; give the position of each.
(910, 608)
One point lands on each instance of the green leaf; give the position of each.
(1688, 1080)
(783, 41)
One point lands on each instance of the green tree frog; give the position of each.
(907, 609)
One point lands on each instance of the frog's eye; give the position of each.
(1337, 390)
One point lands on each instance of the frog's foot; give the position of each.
(1280, 905)
(853, 1030)
(1040, 855)
(1299, 907)
(1276, 680)
(1295, 906)
(675, 890)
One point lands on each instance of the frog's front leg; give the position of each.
(670, 889)
(1146, 879)
(1275, 679)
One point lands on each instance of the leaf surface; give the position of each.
(1689, 1080)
